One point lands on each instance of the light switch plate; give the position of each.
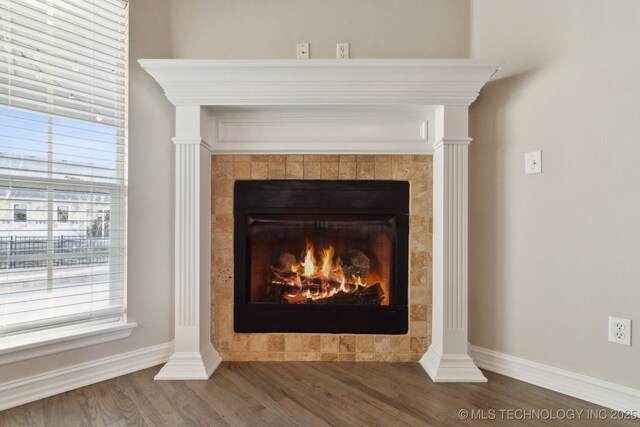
(533, 162)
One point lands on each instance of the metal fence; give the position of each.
(32, 252)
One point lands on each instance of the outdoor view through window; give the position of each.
(63, 163)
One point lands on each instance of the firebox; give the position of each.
(321, 256)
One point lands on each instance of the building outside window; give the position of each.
(20, 212)
(63, 214)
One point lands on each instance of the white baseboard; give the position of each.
(583, 387)
(18, 392)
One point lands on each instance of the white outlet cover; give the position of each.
(533, 162)
(342, 51)
(620, 330)
(302, 51)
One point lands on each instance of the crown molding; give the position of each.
(321, 81)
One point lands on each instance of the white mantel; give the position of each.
(322, 106)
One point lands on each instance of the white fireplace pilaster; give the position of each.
(194, 356)
(447, 359)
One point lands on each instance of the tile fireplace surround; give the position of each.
(398, 118)
(326, 347)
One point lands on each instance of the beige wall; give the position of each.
(553, 255)
(256, 29)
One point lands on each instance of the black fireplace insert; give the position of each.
(321, 256)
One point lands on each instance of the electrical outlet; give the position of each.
(342, 51)
(302, 51)
(620, 330)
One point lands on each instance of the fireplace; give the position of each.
(321, 256)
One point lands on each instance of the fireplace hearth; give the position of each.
(321, 256)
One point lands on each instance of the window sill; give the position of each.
(17, 348)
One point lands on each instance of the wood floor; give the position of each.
(297, 393)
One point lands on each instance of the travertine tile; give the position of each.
(347, 357)
(225, 169)
(277, 170)
(241, 170)
(383, 170)
(401, 168)
(223, 205)
(222, 158)
(418, 344)
(222, 171)
(329, 158)
(294, 170)
(365, 170)
(329, 357)
(311, 357)
(400, 344)
(418, 312)
(330, 171)
(347, 170)
(312, 170)
(241, 158)
(240, 342)
(223, 222)
(364, 343)
(417, 328)
(365, 357)
(347, 344)
(258, 343)
(275, 343)
(276, 158)
(329, 343)
(311, 343)
(259, 170)
(293, 343)
(381, 344)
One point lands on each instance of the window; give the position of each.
(63, 214)
(20, 213)
(63, 151)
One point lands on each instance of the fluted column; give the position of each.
(194, 356)
(447, 358)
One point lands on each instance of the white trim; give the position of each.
(321, 81)
(191, 365)
(14, 393)
(447, 368)
(16, 348)
(583, 387)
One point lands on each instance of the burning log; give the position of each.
(355, 263)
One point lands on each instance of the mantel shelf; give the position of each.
(321, 81)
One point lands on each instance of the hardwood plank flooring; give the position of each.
(306, 394)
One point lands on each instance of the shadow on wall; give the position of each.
(488, 118)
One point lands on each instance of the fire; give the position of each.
(327, 259)
(309, 262)
(311, 280)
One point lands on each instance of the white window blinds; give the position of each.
(63, 162)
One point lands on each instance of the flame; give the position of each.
(342, 288)
(309, 263)
(320, 278)
(327, 258)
